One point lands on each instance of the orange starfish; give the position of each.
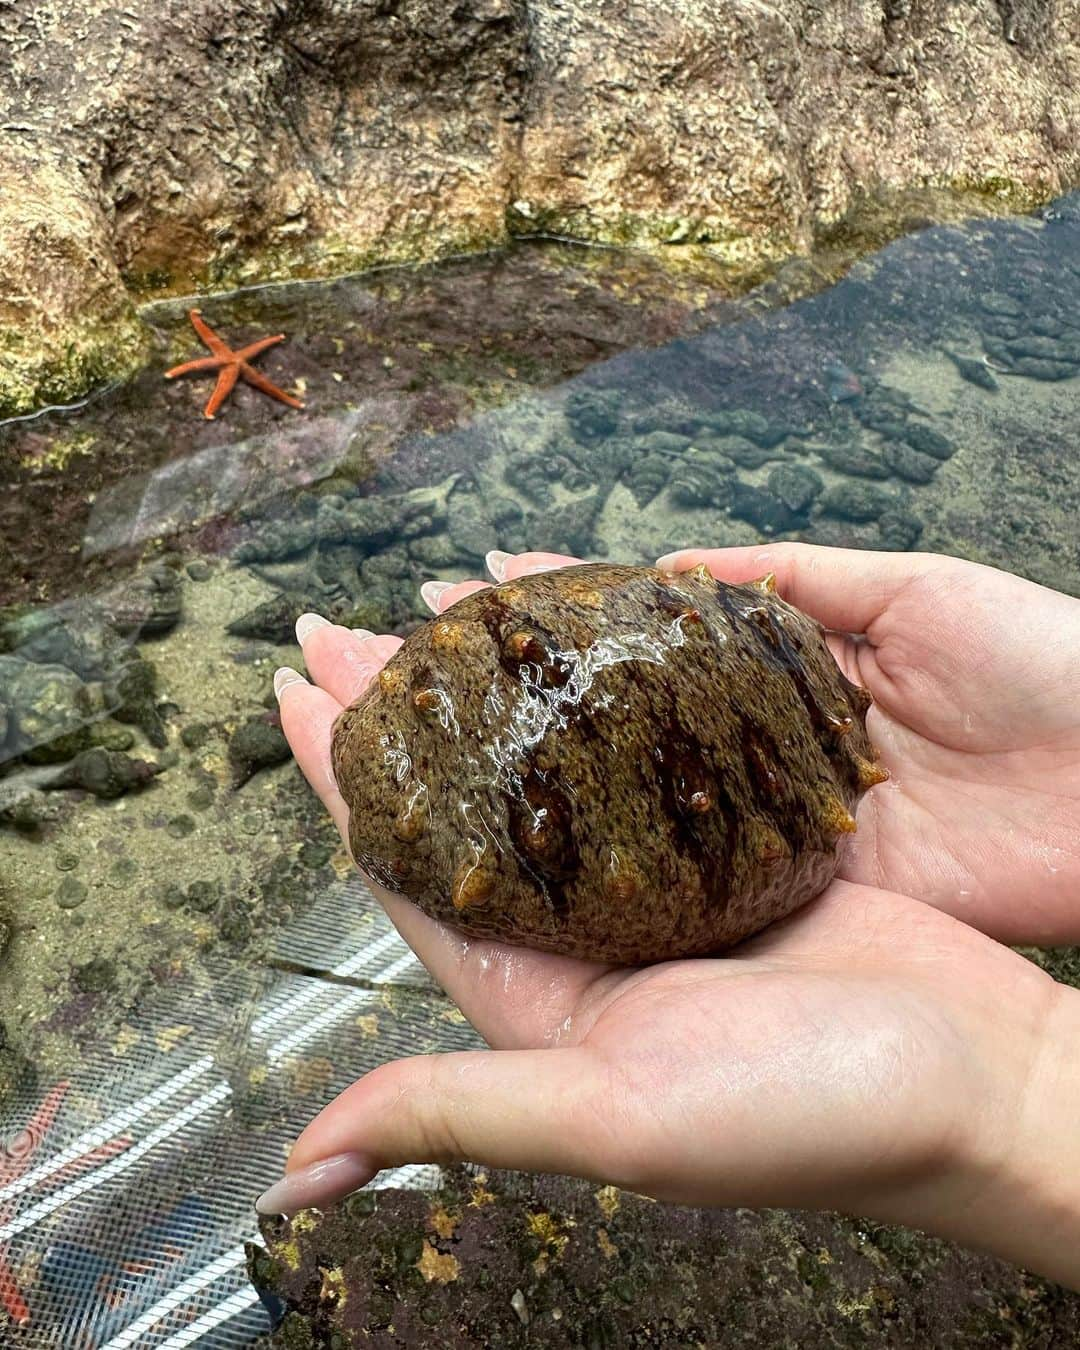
(15, 1159)
(233, 365)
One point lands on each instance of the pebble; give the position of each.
(195, 736)
(908, 463)
(71, 893)
(122, 872)
(203, 896)
(172, 897)
(95, 977)
(113, 738)
(256, 744)
(855, 501)
(198, 570)
(201, 798)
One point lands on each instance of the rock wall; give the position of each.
(172, 145)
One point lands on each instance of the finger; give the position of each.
(846, 589)
(440, 595)
(528, 1110)
(525, 564)
(338, 660)
(307, 719)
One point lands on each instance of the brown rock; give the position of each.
(609, 762)
(150, 150)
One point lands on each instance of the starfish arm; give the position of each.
(88, 1161)
(253, 350)
(217, 345)
(203, 363)
(10, 1295)
(225, 384)
(16, 1159)
(253, 377)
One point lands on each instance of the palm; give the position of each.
(828, 1034)
(978, 721)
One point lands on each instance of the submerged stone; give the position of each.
(273, 620)
(852, 458)
(257, 744)
(795, 485)
(105, 773)
(908, 463)
(856, 501)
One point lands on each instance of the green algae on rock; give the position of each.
(610, 762)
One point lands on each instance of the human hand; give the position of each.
(861, 1055)
(976, 682)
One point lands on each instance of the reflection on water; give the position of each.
(159, 873)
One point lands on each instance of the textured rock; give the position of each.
(648, 766)
(161, 147)
(508, 1261)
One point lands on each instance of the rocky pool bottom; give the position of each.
(504, 1260)
(153, 833)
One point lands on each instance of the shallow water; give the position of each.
(180, 937)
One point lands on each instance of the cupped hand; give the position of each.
(869, 1053)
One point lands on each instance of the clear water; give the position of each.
(181, 941)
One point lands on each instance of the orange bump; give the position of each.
(516, 645)
(413, 819)
(446, 636)
(837, 819)
(772, 846)
(588, 596)
(391, 679)
(869, 774)
(623, 880)
(766, 584)
(861, 697)
(473, 885)
(700, 573)
(427, 700)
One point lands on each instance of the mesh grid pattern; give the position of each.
(141, 1244)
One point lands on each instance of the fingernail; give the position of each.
(430, 592)
(283, 678)
(316, 1186)
(363, 633)
(496, 561)
(306, 625)
(668, 561)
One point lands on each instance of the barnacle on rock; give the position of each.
(608, 761)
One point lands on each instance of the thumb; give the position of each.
(846, 589)
(525, 1110)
